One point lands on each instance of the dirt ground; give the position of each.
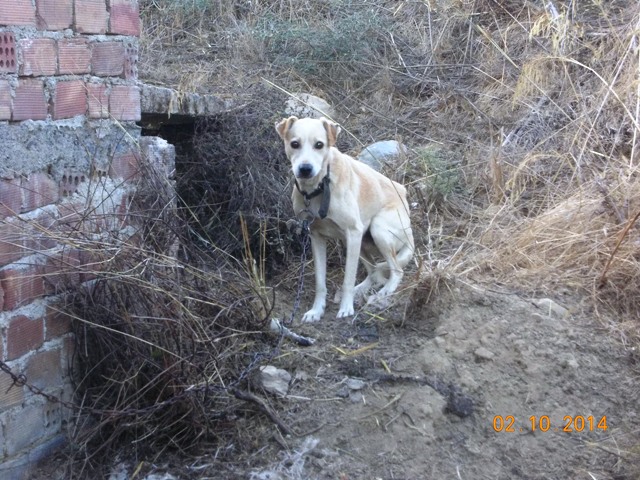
(446, 387)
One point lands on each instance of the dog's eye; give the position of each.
(318, 145)
(295, 144)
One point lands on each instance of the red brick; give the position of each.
(10, 394)
(40, 232)
(74, 56)
(56, 322)
(107, 59)
(39, 57)
(5, 100)
(38, 190)
(21, 286)
(91, 16)
(62, 271)
(125, 166)
(29, 101)
(10, 197)
(70, 99)
(125, 17)
(8, 62)
(12, 242)
(54, 14)
(44, 369)
(98, 100)
(17, 12)
(23, 335)
(124, 103)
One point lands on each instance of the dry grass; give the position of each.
(522, 120)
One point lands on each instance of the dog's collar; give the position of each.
(322, 188)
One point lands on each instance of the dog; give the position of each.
(350, 202)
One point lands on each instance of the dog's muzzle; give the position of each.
(305, 170)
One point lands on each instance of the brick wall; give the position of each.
(69, 152)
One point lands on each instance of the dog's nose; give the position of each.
(305, 170)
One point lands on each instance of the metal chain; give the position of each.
(21, 379)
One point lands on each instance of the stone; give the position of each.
(551, 308)
(381, 153)
(274, 380)
(306, 105)
(483, 354)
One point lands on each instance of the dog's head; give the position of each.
(307, 142)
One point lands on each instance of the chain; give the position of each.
(21, 379)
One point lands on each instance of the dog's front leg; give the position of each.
(319, 249)
(354, 241)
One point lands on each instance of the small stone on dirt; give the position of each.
(307, 105)
(551, 308)
(355, 384)
(483, 354)
(274, 380)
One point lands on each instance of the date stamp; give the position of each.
(542, 423)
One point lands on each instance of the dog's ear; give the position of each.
(283, 126)
(333, 129)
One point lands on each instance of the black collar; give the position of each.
(322, 188)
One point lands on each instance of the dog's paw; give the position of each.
(345, 311)
(312, 315)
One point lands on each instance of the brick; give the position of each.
(54, 14)
(5, 100)
(74, 56)
(12, 242)
(125, 17)
(56, 323)
(10, 394)
(10, 197)
(70, 99)
(38, 190)
(124, 103)
(24, 334)
(40, 232)
(62, 271)
(8, 63)
(21, 286)
(70, 182)
(91, 16)
(29, 101)
(39, 57)
(17, 12)
(44, 369)
(98, 100)
(130, 61)
(125, 166)
(107, 59)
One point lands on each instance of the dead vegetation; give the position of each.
(522, 120)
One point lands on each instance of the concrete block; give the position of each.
(29, 102)
(17, 12)
(5, 98)
(39, 57)
(8, 63)
(54, 14)
(125, 17)
(91, 16)
(157, 151)
(23, 427)
(44, 369)
(107, 59)
(23, 335)
(70, 99)
(74, 56)
(124, 103)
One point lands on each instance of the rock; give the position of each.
(306, 105)
(483, 354)
(551, 308)
(355, 384)
(378, 154)
(274, 380)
